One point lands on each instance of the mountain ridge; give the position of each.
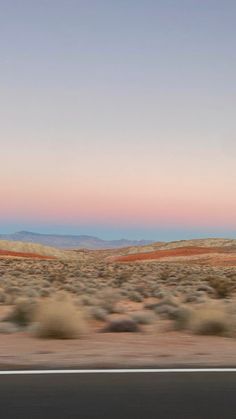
(69, 241)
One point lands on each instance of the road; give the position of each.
(114, 396)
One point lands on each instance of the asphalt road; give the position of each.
(116, 396)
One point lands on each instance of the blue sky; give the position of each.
(118, 117)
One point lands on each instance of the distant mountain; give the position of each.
(71, 241)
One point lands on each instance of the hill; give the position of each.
(209, 242)
(222, 251)
(26, 249)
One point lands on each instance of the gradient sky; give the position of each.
(118, 117)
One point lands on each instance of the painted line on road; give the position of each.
(119, 371)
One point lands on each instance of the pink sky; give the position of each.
(151, 190)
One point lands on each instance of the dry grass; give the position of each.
(209, 319)
(58, 318)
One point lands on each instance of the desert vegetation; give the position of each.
(58, 318)
(110, 296)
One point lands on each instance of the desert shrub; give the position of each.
(122, 278)
(119, 309)
(87, 300)
(2, 296)
(45, 284)
(206, 320)
(56, 277)
(58, 318)
(211, 321)
(150, 306)
(164, 274)
(195, 297)
(168, 300)
(13, 290)
(98, 313)
(108, 298)
(69, 288)
(101, 273)
(135, 296)
(90, 290)
(182, 317)
(124, 293)
(23, 312)
(45, 292)
(206, 288)
(10, 299)
(121, 325)
(142, 317)
(222, 286)
(166, 311)
(157, 293)
(32, 293)
(145, 293)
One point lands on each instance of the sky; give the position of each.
(118, 117)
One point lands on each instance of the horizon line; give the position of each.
(118, 239)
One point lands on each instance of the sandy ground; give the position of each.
(146, 349)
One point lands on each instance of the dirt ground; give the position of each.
(156, 345)
(145, 349)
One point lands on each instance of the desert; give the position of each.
(165, 303)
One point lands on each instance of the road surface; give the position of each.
(172, 395)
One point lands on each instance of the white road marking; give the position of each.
(119, 371)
